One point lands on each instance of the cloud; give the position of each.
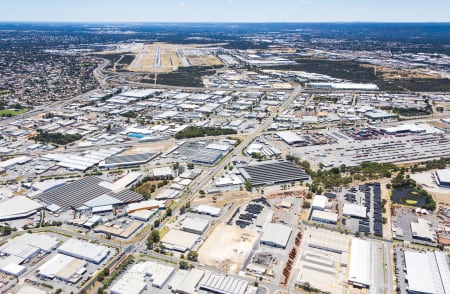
(182, 4)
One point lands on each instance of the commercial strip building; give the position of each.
(427, 272)
(360, 263)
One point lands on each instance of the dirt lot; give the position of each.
(150, 147)
(227, 248)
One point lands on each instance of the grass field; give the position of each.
(10, 112)
(411, 202)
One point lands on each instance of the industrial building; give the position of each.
(319, 202)
(194, 225)
(84, 250)
(11, 266)
(427, 272)
(325, 217)
(179, 240)
(186, 282)
(360, 263)
(421, 230)
(18, 207)
(158, 273)
(127, 160)
(442, 177)
(222, 284)
(290, 138)
(130, 283)
(273, 173)
(63, 267)
(145, 205)
(88, 193)
(354, 210)
(206, 209)
(276, 235)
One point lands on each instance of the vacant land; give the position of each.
(227, 248)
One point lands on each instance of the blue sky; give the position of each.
(225, 10)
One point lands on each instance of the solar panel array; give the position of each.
(273, 173)
(75, 194)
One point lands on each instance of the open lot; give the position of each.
(227, 248)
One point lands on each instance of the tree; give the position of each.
(248, 186)
(306, 204)
(155, 236)
(169, 211)
(156, 223)
(190, 166)
(192, 255)
(202, 193)
(183, 264)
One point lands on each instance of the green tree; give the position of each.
(192, 255)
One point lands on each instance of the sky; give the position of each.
(225, 10)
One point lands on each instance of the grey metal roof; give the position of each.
(130, 159)
(273, 173)
(77, 193)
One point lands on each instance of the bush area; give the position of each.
(344, 175)
(183, 77)
(430, 164)
(356, 72)
(193, 132)
(56, 138)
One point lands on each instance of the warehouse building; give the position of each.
(84, 250)
(158, 273)
(360, 263)
(63, 267)
(273, 173)
(127, 160)
(276, 235)
(208, 210)
(320, 202)
(11, 266)
(290, 138)
(17, 208)
(427, 272)
(80, 193)
(194, 225)
(179, 240)
(186, 282)
(421, 230)
(354, 210)
(442, 177)
(222, 284)
(325, 217)
(130, 283)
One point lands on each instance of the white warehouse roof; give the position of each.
(319, 202)
(276, 235)
(84, 250)
(360, 263)
(290, 137)
(18, 207)
(355, 210)
(420, 274)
